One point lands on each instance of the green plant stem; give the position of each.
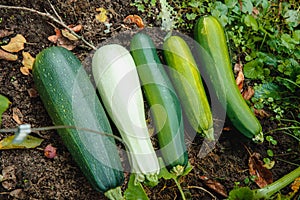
(179, 188)
(268, 191)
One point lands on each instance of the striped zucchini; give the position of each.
(165, 106)
(118, 83)
(187, 81)
(70, 99)
(213, 50)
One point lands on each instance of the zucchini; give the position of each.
(70, 99)
(118, 83)
(187, 81)
(161, 97)
(217, 66)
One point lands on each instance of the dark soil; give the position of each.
(37, 177)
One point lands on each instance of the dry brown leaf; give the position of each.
(28, 60)
(102, 16)
(7, 56)
(238, 67)
(214, 185)
(134, 19)
(16, 44)
(68, 35)
(9, 177)
(17, 115)
(248, 93)
(263, 176)
(240, 80)
(76, 28)
(5, 33)
(261, 113)
(59, 40)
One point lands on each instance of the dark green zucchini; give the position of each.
(213, 50)
(70, 99)
(165, 105)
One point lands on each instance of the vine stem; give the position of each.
(58, 21)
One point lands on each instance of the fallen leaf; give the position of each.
(248, 93)
(28, 60)
(54, 38)
(134, 19)
(263, 176)
(269, 165)
(60, 40)
(9, 177)
(50, 151)
(76, 28)
(68, 35)
(296, 185)
(18, 194)
(214, 185)
(102, 16)
(261, 113)
(5, 33)
(7, 56)
(32, 92)
(16, 44)
(17, 115)
(240, 80)
(28, 143)
(238, 67)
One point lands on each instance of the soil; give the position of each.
(33, 176)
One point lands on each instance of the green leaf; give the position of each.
(164, 172)
(267, 90)
(254, 70)
(250, 21)
(191, 16)
(230, 3)
(292, 17)
(28, 143)
(4, 104)
(247, 6)
(288, 41)
(135, 191)
(243, 193)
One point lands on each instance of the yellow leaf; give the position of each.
(28, 60)
(7, 56)
(16, 44)
(69, 35)
(101, 17)
(29, 142)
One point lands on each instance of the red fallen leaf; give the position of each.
(238, 67)
(54, 38)
(134, 19)
(248, 93)
(50, 151)
(60, 40)
(214, 185)
(76, 28)
(263, 176)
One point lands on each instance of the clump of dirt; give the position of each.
(37, 177)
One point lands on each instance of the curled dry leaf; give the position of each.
(17, 115)
(27, 62)
(261, 113)
(16, 44)
(240, 80)
(214, 185)
(263, 176)
(134, 19)
(7, 56)
(60, 40)
(296, 185)
(248, 93)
